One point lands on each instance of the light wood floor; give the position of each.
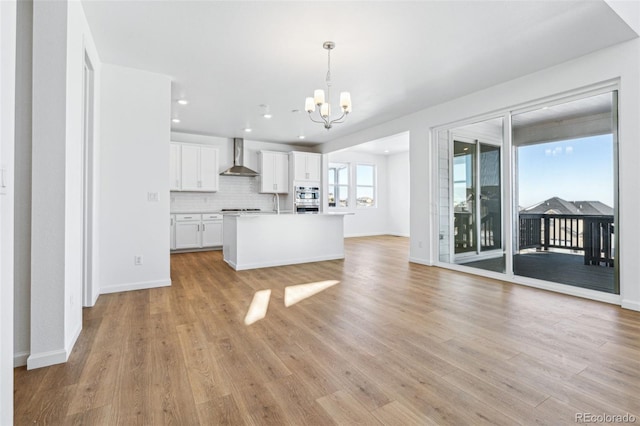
(393, 343)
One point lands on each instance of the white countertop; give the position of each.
(284, 213)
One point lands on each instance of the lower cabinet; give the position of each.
(198, 231)
(211, 230)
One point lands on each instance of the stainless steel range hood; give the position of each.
(238, 168)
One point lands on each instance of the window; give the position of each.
(338, 185)
(365, 185)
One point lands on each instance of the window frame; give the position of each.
(337, 184)
(373, 186)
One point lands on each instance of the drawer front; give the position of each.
(211, 216)
(188, 217)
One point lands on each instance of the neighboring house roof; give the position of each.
(557, 205)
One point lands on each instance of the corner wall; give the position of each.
(134, 161)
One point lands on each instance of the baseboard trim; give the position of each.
(398, 234)
(20, 359)
(143, 285)
(367, 234)
(45, 359)
(629, 304)
(420, 261)
(73, 340)
(269, 264)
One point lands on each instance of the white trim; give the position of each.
(245, 266)
(398, 234)
(630, 304)
(20, 359)
(46, 359)
(420, 261)
(143, 285)
(366, 234)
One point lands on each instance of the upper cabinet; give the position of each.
(274, 172)
(193, 167)
(306, 167)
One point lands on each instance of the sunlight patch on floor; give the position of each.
(258, 308)
(295, 293)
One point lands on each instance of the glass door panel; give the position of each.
(470, 195)
(490, 198)
(565, 184)
(464, 196)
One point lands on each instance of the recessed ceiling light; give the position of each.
(175, 120)
(301, 137)
(386, 151)
(183, 101)
(248, 129)
(267, 115)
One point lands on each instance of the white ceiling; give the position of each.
(390, 145)
(229, 57)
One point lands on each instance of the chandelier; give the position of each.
(318, 99)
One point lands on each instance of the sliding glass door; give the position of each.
(551, 186)
(471, 224)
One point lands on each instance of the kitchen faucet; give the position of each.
(276, 203)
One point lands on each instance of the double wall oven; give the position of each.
(307, 199)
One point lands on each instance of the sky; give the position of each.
(574, 170)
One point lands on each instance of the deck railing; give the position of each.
(594, 235)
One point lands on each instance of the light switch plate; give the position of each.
(152, 196)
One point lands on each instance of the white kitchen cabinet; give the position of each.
(188, 232)
(274, 172)
(208, 168)
(174, 166)
(198, 167)
(306, 167)
(194, 231)
(211, 230)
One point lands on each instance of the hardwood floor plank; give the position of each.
(393, 343)
(344, 409)
(395, 413)
(221, 411)
(97, 383)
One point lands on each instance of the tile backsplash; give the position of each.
(233, 192)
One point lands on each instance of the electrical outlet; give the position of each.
(137, 260)
(152, 196)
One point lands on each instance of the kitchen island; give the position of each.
(262, 240)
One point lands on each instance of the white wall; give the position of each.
(398, 184)
(48, 254)
(7, 133)
(365, 220)
(22, 228)
(60, 37)
(617, 62)
(134, 160)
